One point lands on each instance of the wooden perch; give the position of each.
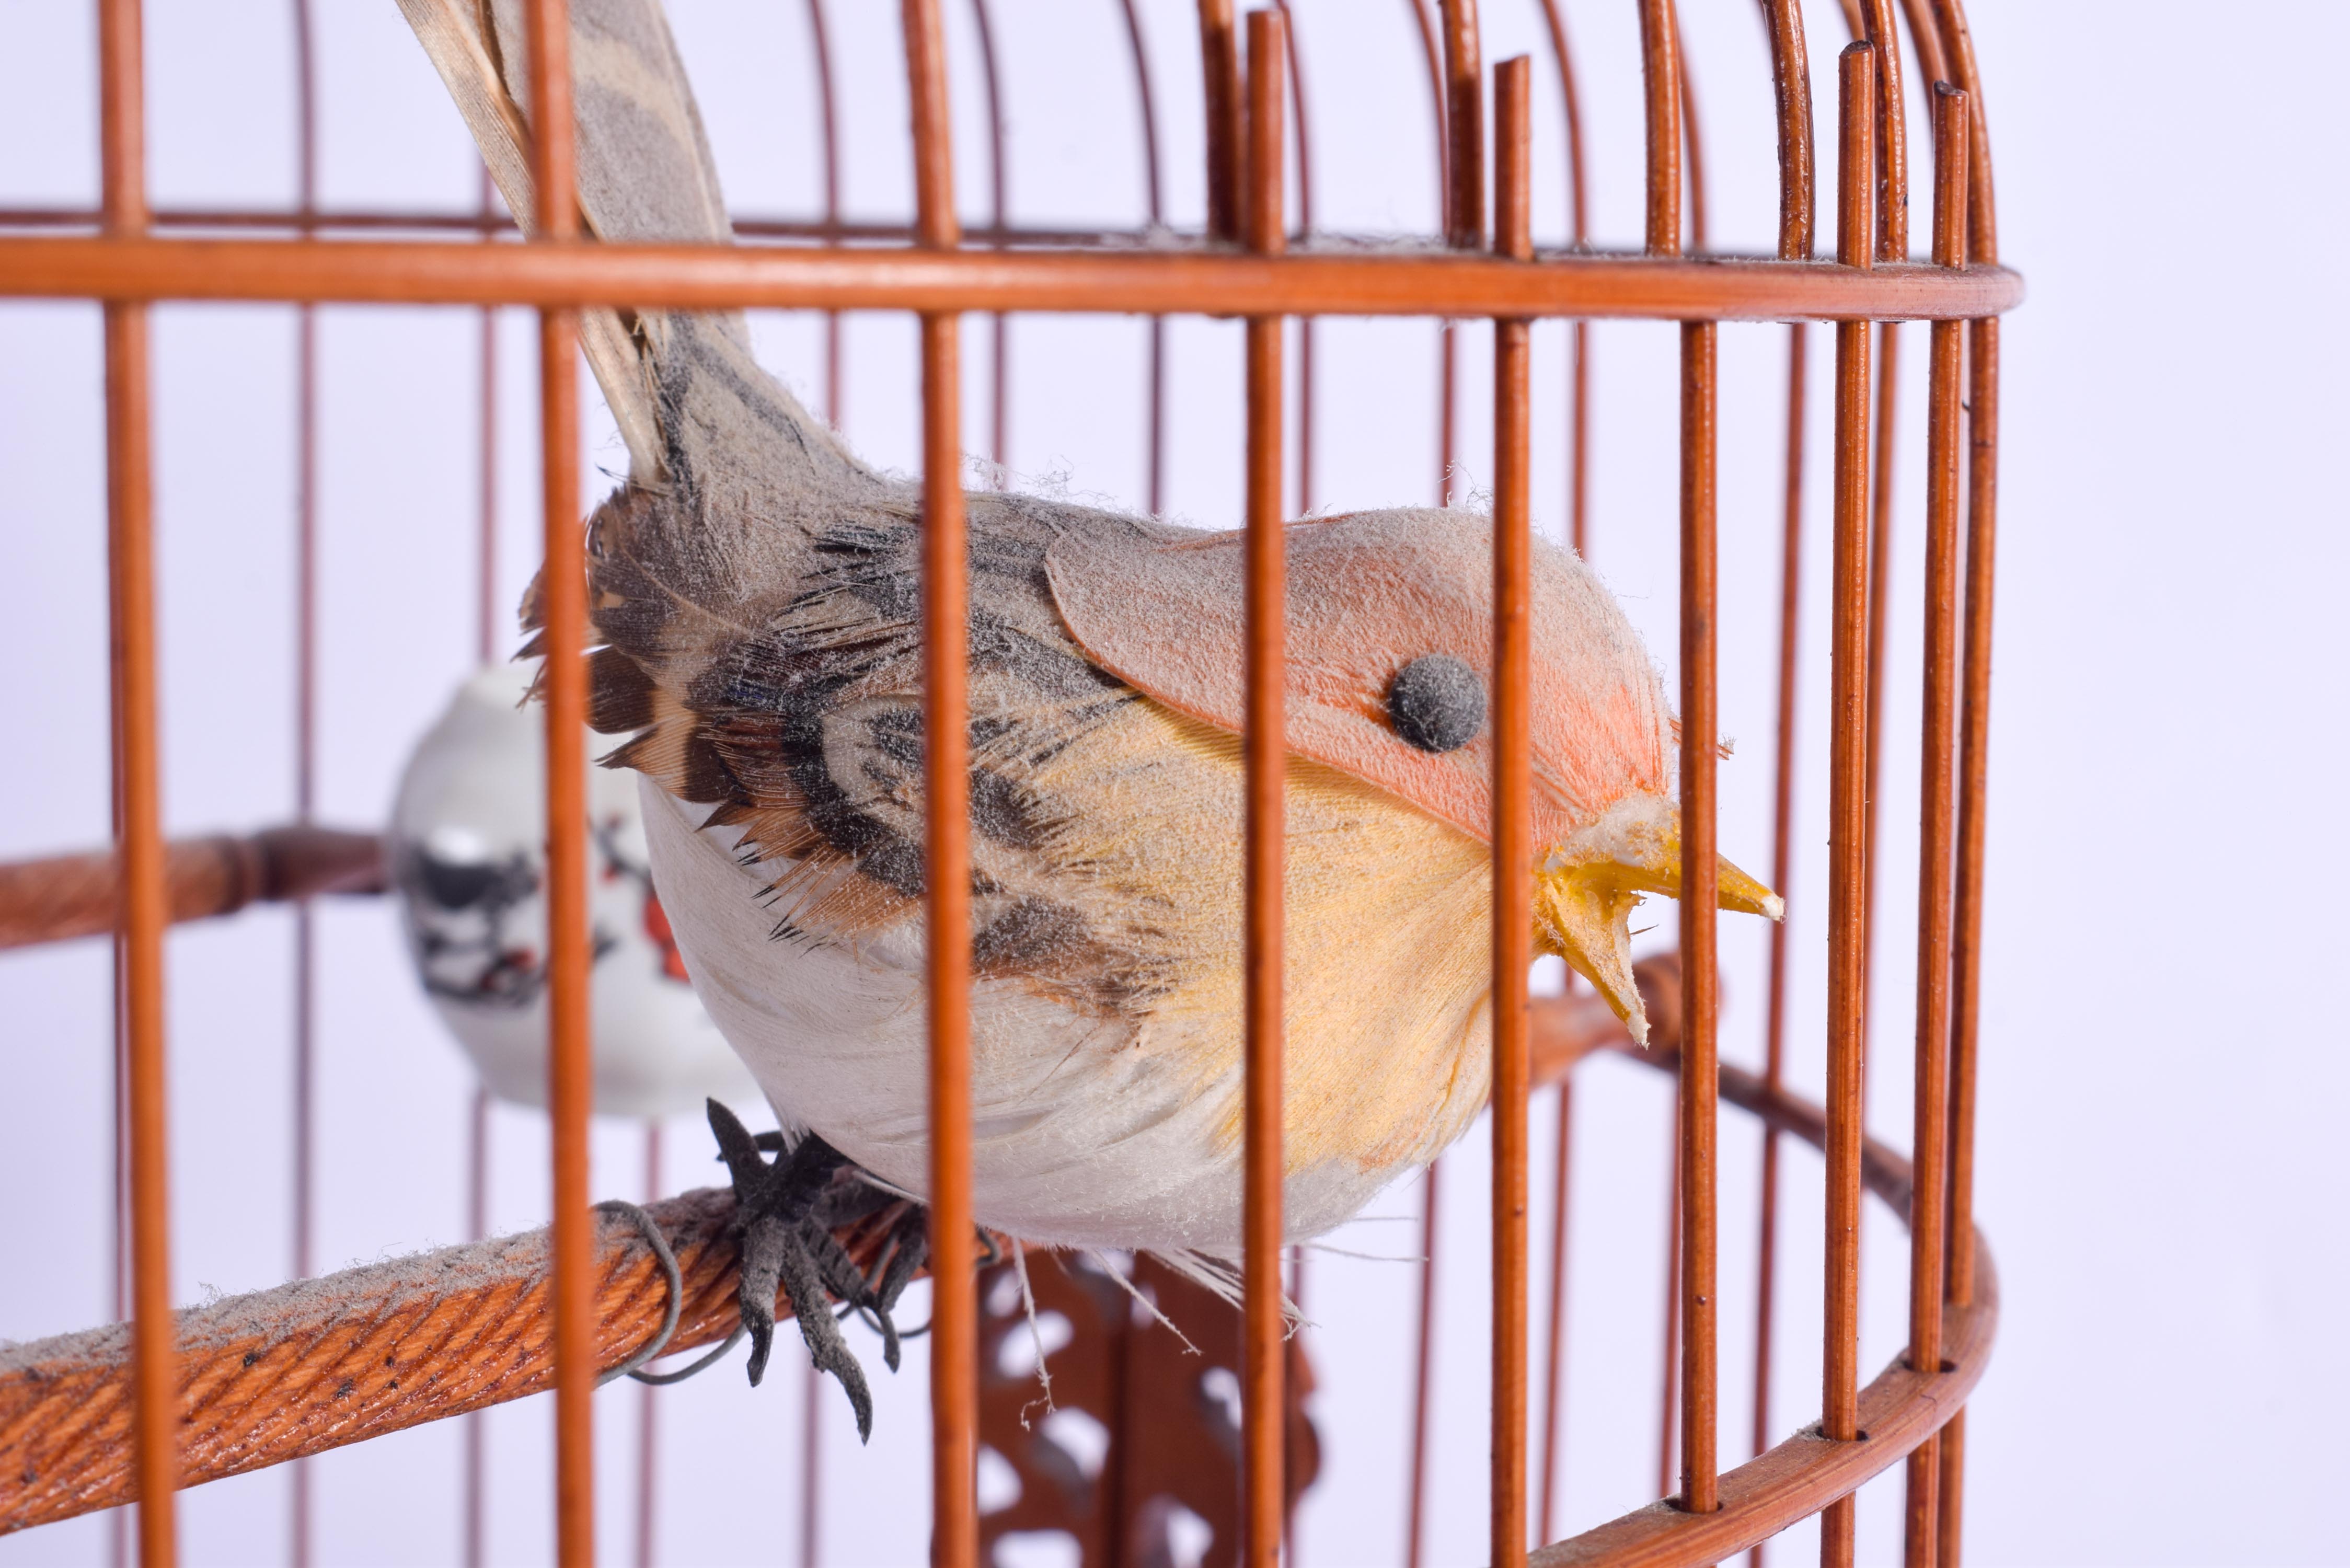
(322, 1363)
(75, 895)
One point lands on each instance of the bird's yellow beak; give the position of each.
(1588, 887)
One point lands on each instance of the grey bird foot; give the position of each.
(786, 1210)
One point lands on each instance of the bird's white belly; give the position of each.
(1082, 1135)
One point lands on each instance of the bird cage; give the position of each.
(127, 1415)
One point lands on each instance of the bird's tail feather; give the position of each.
(728, 472)
(645, 176)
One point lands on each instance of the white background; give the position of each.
(2162, 1075)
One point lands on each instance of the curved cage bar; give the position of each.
(115, 1416)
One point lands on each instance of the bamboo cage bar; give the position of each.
(1302, 231)
(1935, 806)
(954, 1351)
(1325, 280)
(1792, 84)
(946, 784)
(1692, 151)
(1848, 871)
(1513, 851)
(1782, 812)
(474, 1499)
(1435, 40)
(752, 229)
(1675, 170)
(1578, 495)
(1959, 1284)
(1661, 105)
(137, 787)
(1694, 1302)
(1878, 30)
(1265, 761)
(1791, 81)
(1699, 951)
(1464, 121)
(1220, 72)
(811, 1520)
(1293, 75)
(564, 686)
(1891, 143)
(1926, 39)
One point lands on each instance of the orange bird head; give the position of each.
(1389, 659)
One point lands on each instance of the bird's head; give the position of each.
(1389, 647)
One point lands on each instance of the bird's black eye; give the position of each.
(1437, 703)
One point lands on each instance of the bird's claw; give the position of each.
(785, 1210)
(765, 1242)
(785, 1219)
(804, 1281)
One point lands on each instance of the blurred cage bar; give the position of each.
(1253, 262)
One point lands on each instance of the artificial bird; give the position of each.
(755, 592)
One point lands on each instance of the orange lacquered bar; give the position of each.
(1434, 41)
(1578, 492)
(138, 788)
(954, 1347)
(1674, 165)
(1513, 849)
(1700, 1085)
(1960, 1282)
(1791, 76)
(1878, 31)
(1936, 808)
(564, 685)
(1697, 1307)
(1847, 855)
(1330, 280)
(1264, 760)
(1220, 70)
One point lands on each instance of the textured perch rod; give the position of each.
(324, 1362)
(319, 1364)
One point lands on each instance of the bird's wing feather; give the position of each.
(1166, 616)
(755, 590)
(802, 726)
(754, 586)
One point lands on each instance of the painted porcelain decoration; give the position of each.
(468, 861)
